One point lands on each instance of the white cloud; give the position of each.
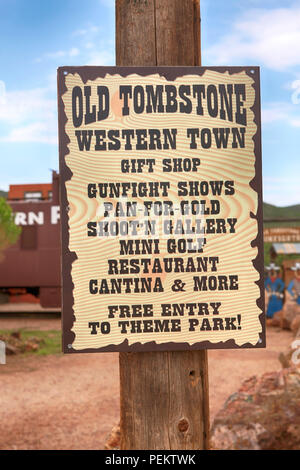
(273, 113)
(92, 29)
(29, 115)
(281, 191)
(295, 86)
(2, 94)
(101, 57)
(22, 105)
(94, 47)
(79, 32)
(55, 55)
(36, 132)
(281, 111)
(108, 3)
(295, 122)
(74, 51)
(268, 37)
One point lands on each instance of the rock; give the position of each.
(291, 358)
(277, 318)
(31, 346)
(15, 344)
(285, 359)
(290, 311)
(9, 349)
(269, 321)
(248, 437)
(263, 415)
(16, 334)
(295, 325)
(113, 440)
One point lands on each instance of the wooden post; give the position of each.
(164, 395)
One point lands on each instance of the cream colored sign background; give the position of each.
(234, 250)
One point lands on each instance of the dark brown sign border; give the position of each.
(170, 73)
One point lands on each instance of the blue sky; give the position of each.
(37, 36)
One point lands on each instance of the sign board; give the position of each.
(282, 234)
(161, 208)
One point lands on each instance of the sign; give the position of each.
(282, 234)
(37, 217)
(161, 208)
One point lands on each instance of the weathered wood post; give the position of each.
(164, 395)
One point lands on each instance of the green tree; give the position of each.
(9, 231)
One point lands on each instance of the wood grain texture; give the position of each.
(158, 32)
(164, 395)
(164, 400)
(197, 33)
(135, 32)
(175, 42)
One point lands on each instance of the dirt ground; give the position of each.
(72, 401)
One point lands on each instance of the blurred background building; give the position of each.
(30, 270)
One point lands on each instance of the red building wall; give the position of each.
(34, 261)
(18, 191)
